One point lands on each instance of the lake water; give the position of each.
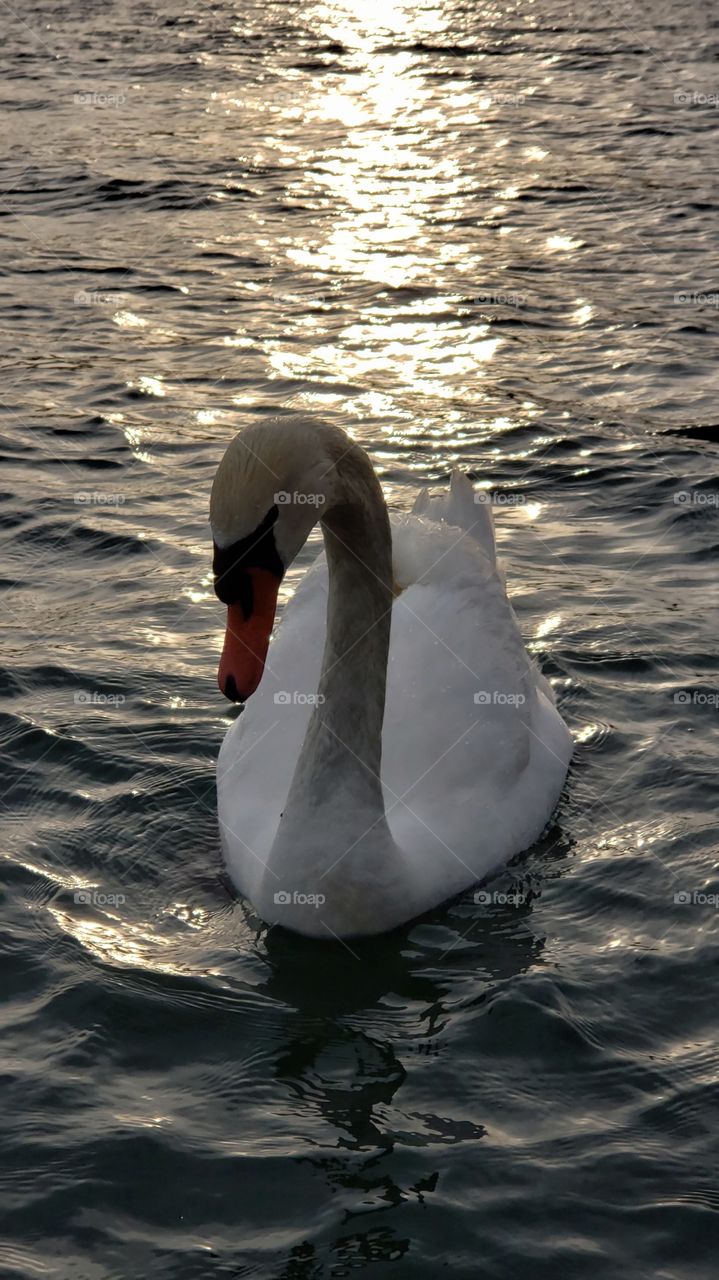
(481, 236)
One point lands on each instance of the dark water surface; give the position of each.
(480, 235)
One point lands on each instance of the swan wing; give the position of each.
(474, 750)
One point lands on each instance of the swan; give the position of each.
(399, 745)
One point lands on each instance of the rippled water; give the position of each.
(475, 235)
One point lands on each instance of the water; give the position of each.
(460, 231)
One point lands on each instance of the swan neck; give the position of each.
(344, 736)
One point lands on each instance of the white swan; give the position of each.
(345, 810)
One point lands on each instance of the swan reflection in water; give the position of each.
(369, 1036)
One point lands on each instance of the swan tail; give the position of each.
(464, 507)
(471, 509)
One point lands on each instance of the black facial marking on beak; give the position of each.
(246, 594)
(233, 584)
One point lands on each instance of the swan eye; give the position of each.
(231, 565)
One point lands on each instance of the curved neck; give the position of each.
(343, 743)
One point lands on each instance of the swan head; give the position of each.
(275, 481)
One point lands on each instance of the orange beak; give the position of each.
(247, 638)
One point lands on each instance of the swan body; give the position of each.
(349, 806)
